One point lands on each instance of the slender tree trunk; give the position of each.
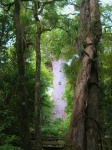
(0, 49)
(1, 38)
(22, 103)
(38, 145)
(83, 131)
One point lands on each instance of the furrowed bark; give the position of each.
(83, 130)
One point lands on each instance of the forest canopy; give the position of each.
(32, 35)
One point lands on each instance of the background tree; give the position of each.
(46, 23)
(60, 40)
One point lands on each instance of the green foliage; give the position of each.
(6, 27)
(105, 95)
(10, 122)
(50, 17)
(59, 42)
(9, 147)
(9, 139)
(46, 102)
(70, 70)
(52, 44)
(8, 92)
(56, 127)
(105, 69)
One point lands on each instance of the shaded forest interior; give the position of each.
(55, 75)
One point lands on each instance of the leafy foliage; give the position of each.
(57, 42)
(56, 127)
(9, 147)
(105, 69)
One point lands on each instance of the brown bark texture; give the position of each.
(22, 103)
(38, 145)
(83, 130)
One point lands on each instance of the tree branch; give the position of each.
(45, 30)
(48, 2)
(74, 5)
(27, 7)
(62, 28)
(7, 6)
(49, 29)
(107, 17)
(108, 27)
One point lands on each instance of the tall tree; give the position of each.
(42, 24)
(83, 130)
(38, 145)
(22, 103)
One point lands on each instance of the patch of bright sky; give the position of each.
(70, 8)
(106, 1)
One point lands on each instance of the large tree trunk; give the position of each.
(22, 103)
(83, 131)
(38, 145)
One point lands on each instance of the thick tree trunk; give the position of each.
(83, 131)
(38, 145)
(22, 103)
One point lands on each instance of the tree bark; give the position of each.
(1, 37)
(22, 103)
(38, 145)
(83, 130)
